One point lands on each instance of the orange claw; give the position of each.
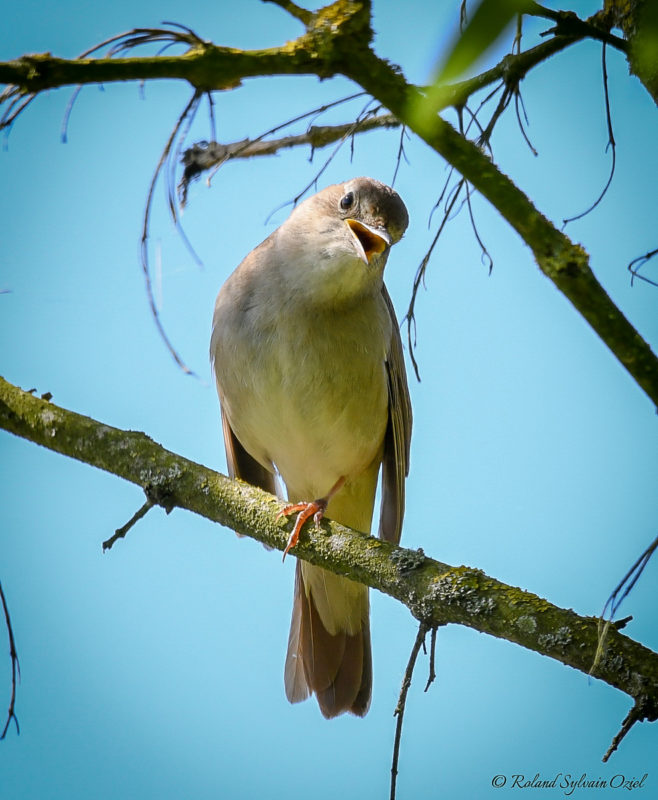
(314, 509)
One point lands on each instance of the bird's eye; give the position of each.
(347, 200)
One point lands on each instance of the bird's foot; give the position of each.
(315, 509)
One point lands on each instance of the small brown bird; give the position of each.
(310, 375)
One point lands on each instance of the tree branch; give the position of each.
(512, 69)
(206, 66)
(568, 23)
(206, 155)
(563, 262)
(435, 593)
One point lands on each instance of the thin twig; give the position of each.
(420, 278)
(402, 701)
(169, 171)
(190, 108)
(401, 154)
(212, 155)
(17, 105)
(432, 674)
(211, 114)
(611, 145)
(486, 256)
(67, 113)
(629, 580)
(123, 530)
(620, 593)
(636, 265)
(568, 23)
(484, 141)
(15, 670)
(137, 37)
(365, 113)
(485, 136)
(636, 714)
(519, 106)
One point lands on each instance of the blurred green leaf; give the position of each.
(645, 46)
(488, 22)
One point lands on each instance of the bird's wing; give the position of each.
(242, 465)
(395, 462)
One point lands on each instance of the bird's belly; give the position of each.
(315, 418)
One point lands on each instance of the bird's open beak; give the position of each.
(369, 241)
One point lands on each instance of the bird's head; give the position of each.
(339, 239)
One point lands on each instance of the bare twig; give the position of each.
(123, 530)
(169, 170)
(67, 113)
(204, 156)
(636, 714)
(17, 104)
(364, 115)
(503, 102)
(485, 256)
(625, 586)
(636, 265)
(138, 37)
(611, 145)
(401, 154)
(402, 701)
(620, 593)
(189, 109)
(568, 23)
(419, 277)
(519, 106)
(19, 97)
(15, 670)
(432, 673)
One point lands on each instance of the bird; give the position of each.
(309, 369)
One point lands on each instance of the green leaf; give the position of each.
(488, 22)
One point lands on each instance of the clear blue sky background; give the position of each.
(155, 670)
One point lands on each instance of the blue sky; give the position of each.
(156, 670)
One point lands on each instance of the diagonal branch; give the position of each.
(204, 156)
(435, 593)
(566, 264)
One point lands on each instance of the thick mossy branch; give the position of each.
(332, 34)
(435, 593)
(207, 68)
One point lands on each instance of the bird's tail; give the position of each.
(329, 643)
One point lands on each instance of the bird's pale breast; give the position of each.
(313, 405)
